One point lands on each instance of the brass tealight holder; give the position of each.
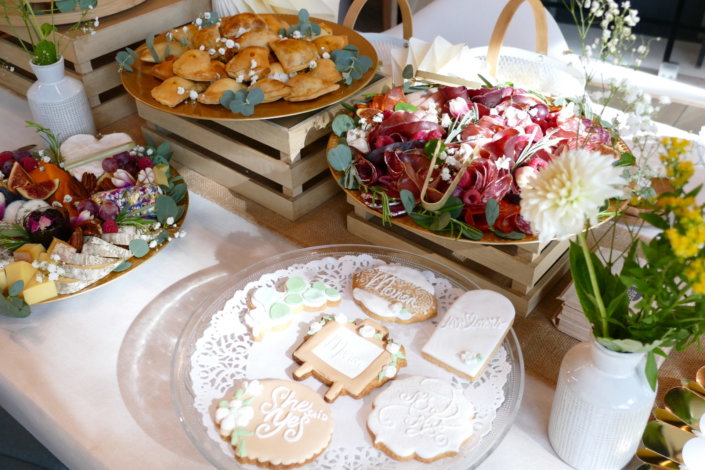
(664, 438)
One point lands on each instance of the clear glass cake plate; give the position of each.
(215, 350)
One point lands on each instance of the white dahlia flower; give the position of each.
(561, 197)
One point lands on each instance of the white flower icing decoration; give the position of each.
(367, 331)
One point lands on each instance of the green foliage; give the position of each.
(350, 63)
(50, 139)
(124, 266)
(13, 237)
(67, 6)
(340, 157)
(125, 59)
(405, 107)
(209, 19)
(139, 247)
(13, 306)
(305, 26)
(342, 124)
(443, 221)
(242, 102)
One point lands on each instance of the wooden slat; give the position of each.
(15, 82)
(113, 110)
(290, 207)
(200, 134)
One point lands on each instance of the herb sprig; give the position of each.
(350, 63)
(12, 305)
(242, 102)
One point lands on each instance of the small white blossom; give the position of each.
(170, 221)
(207, 15)
(202, 47)
(53, 276)
(296, 35)
(193, 94)
(313, 64)
(211, 51)
(96, 23)
(445, 174)
(325, 55)
(199, 21)
(229, 43)
(67, 198)
(222, 51)
(153, 244)
(253, 64)
(179, 91)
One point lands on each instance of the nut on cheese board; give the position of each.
(76, 216)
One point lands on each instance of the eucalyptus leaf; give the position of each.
(408, 200)
(441, 222)
(124, 266)
(16, 288)
(255, 96)
(515, 235)
(340, 157)
(304, 15)
(491, 211)
(139, 247)
(342, 124)
(165, 207)
(178, 191)
(14, 307)
(66, 6)
(408, 72)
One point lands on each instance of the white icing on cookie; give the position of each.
(408, 274)
(421, 417)
(347, 352)
(478, 319)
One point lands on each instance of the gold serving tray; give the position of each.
(489, 238)
(140, 82)
(136, 262)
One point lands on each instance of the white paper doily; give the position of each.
(225, 353)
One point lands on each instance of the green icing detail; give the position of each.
(278, 310)
(330, 292)
(264, 295)
(242, 448)
(313, 294)
(296, 285)
(293, 299)
(318, 285)
(223, 404)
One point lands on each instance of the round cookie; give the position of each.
(275, 423)
(394, 293)
(421, 418)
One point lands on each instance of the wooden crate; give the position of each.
(91, 57)
(279, 163)
(524, 273)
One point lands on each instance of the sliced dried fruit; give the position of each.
(18, 178)
(39, 190)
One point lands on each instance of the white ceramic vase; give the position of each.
(59, 102)
(601, 407)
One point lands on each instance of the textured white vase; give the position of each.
(600, 408)
(59, 102)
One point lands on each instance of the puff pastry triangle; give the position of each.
(304, 87)
(217, 88)
(294, 54)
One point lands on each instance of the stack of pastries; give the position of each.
(241, 52)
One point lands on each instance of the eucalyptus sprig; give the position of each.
(125, 59)
(12, 305)
(305, 27)
(444, 221)
(242, 102)
(340, 157)
(207, 19)
(350, 63)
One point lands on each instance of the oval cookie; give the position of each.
(395, 293)
(421, 418)
(275, 423)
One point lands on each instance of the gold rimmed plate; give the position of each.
(140, 82)
(134, 261)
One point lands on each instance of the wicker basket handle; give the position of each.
(354, 11)
(500, 30)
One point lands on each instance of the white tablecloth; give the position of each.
(89, 375)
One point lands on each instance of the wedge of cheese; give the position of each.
(98, 247)
(19, 271)
(37, 291)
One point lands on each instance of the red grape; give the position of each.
(29, 163)
(145, 162)
(110, 165)
(108, 210)
(87, 205)
(122, 159)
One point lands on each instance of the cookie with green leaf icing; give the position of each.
(275, 423)
(272, 309)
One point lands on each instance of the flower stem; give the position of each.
(595, 288)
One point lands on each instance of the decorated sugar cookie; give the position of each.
(395, 293)
(351, 357)
(275, 423)
(470, 332)
(272, 309)
(421, 418)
